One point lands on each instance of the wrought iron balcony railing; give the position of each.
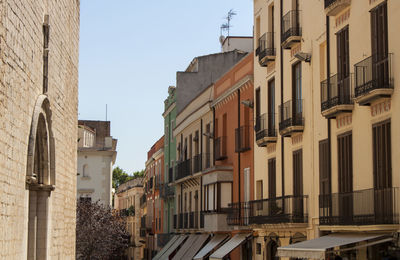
(266, 48)
(171, 175)
(291, 25)
(265, 126)
(291, 114)
(287, 209)
(362, 207)
(220, 148)
(338, 92)
(197, 163)
(242, 139)
(238, 214)
(374, 73)
(184, 169)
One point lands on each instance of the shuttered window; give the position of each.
(272, 178)
(382, 155)
(324, 172)
(345, 163)
(298, 173)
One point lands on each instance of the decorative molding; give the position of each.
(344, 121)
(296, 139)
(381, 108)
(271, 148)
(341, 19)
(295, 50)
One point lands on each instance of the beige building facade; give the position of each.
(96, 157)
(39, 103)
(127, 206)
(326, 98)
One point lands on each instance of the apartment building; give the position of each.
(168, 190)
(127, 206)
(154, 178)
(325, 96)
(228, 187)
(39, 113)
(97, 152)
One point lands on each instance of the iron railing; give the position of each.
(242, 139)
(329, 3)
(338, 92)
(191, 220)
(207, 161)
(374, 72)
(265, 126)
(266, 45)
(291, 114)
(291, 25)
(362, 207)
(238, 214)
(287, 209)
(167, 191)
(184, 169)
(220, 148)
(197, 163)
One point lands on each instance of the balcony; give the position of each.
(242, 139)
(216, 220)
(287, 209)
(334, 7)
(373, 79)
(291, 29)
(238, 214)
(337, 97)
(167, 192)
(197, 163)
(266, 48)
(265, 129)
(184, 169)
(220, 148)
(363, 207)
(291, 117)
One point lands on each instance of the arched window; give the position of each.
(40, 178)
(85, 170)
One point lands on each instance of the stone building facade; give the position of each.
(39, 42)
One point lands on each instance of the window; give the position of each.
(85, 199)
(85, 170)
(272, 178)
(259, 190)
(382, 155)
(296, 91)
(214, 198)
(271, 104)
(298, 173)
(258, 248)
(324, 171)
(345, 176)
(258, 108)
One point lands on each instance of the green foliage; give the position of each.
(120, 176)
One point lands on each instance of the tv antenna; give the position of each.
(227, 26)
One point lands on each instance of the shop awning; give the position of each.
(209, 247)
(195, 247)
(165, 248)
(178, 242)
(229, 246)
(317, 248)
(187, 246)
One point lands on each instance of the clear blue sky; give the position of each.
(130, 51)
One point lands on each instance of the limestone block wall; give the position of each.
(21, 82)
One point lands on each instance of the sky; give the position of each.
(130, 51)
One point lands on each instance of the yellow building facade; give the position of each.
(325, 94)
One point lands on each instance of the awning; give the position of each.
(195, 247)
(178, 242)
(165, 248)
(185, 247)
(317, 248)
(209, 247)
(228, 247)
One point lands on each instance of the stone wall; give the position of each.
(21, 83)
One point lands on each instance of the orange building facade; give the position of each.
(233, 144)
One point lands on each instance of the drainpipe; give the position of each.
(201, 178)
(239, 170)
(328, 72)
(282, 138)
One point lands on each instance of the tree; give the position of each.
(99, 234)
(138, 174)
(119, 177)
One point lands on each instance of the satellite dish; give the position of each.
(221, 39)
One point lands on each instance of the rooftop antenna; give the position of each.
(227, 26)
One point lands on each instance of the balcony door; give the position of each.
(382, 172)
(343, 68)
(345, 175)
(298, 185)
(258, 110)
(271, 106)
(272, 203)
(296, 94)
(379, 45)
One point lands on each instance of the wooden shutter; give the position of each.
(345, 163)
(272, 178)
(324, 171)
(298, 173)
(382, 155)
